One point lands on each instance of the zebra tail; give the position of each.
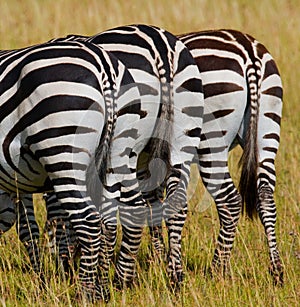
(158, 146)
(249, 159)
(96, 174)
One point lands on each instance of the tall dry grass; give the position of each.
(276, 23)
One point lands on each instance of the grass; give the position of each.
(275, 23)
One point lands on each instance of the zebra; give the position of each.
(58, 110)
(169, 72)
(159, 63)
(242, 105)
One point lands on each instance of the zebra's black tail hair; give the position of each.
(249, 159)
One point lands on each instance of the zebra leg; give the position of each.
(268, 137)
(154, 221)
(153, 195)
(108, 238)
(61, 239)
(229, 204)
(132, 212)
(86, 223)
(229, 209)
(28, 231)
(267, 212)
(174, 213)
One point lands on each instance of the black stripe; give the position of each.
(132, 133)
(193, 111)
(215, 45)
(273, 136)
(133, 107)
(217, 114)
(121, 170)
(271, 149)
(265, 176)
(215, 163)
(214, 175)
(114, 188)
(213, 135)
(274, 117)
(66, 180)
(220, 88)
(55, 150)
(215, 63)
(56, 132)
(59, 166)
(196, 132)
(210, 150)
(192, 85)
(267, 168)
(273, 91)
(270, 69)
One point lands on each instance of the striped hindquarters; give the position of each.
(238, 74)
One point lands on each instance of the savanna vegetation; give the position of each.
(276, 24)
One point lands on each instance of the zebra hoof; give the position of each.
(176, 280)
(121, 284)
(217, 272)
(277, 274)
(98, 294)
(103, 293)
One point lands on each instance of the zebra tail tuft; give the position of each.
(249, 159)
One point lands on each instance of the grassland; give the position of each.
(276, 23)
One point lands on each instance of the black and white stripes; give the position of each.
(59, 143)
(243, 103)
(155, 123)
(58, 110)
(171, 95)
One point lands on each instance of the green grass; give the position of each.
(275, 23)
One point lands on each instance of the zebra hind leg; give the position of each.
(108, 238)
(174, 213)
(267, 213)
(62, 242)
(229, 205)
(153, 192)
(132, 220)
(28, 231)
(154, 221)
(86, 224)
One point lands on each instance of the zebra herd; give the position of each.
(109, 125)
